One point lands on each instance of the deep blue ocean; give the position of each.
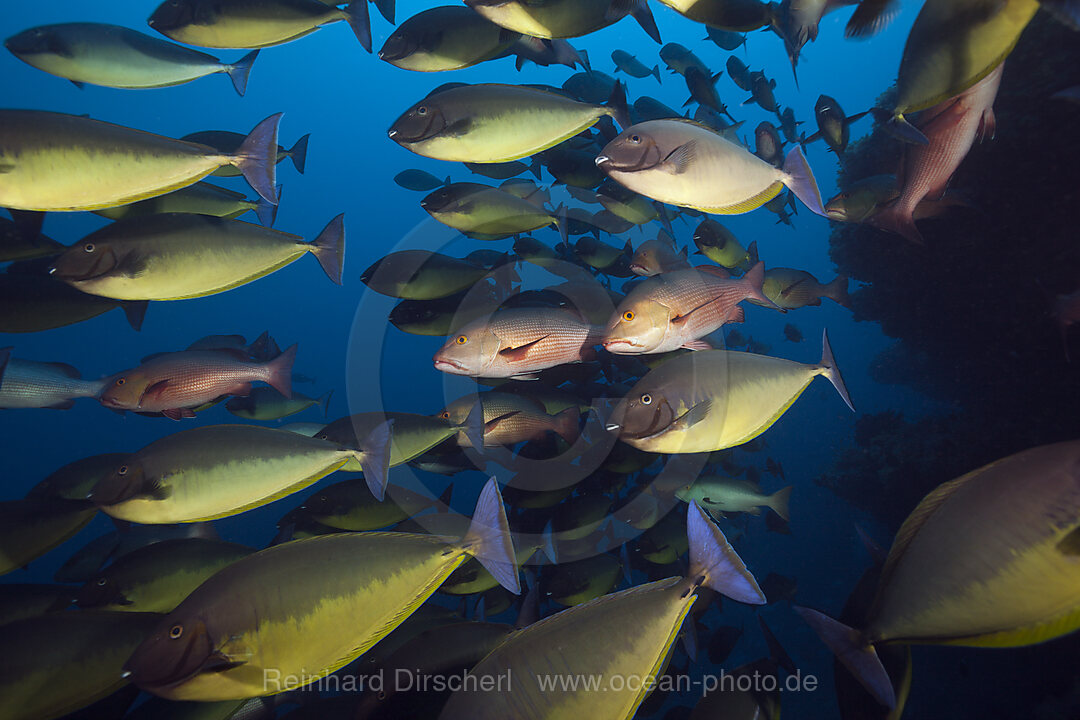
(326, 85)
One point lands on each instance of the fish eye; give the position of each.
(120, 381)
(89, 247)
(636, 139)
(422, 110)
(176, 631)
(628, 315)
(445, 415)
(646, 399)
(122, 470)
(101, 582)
(461, 340)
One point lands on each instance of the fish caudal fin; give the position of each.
(779, 500)
(324, 402)
(899, 127)
(387, 9)
(837, 291)
(831, 371)
(753, 281)
(617, 107)
(656, 74)
(898, 219)
(473, 427)
(240, 70)
(854, 651)
(329, 248)
(356, 14)
(298, 153)
(645, 19)
(374, 458)
(256, 158)
(565, 424)
(800, 180)
(281, 372)
(266, 211)
(713, 558)
(488, 539)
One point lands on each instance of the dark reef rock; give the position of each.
(972, 310)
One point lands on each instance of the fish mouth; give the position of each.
(638, 269)
(450, 366)
(602, 160)
(623, 346)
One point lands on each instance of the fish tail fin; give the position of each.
(240, 70)
(387, 9)
(280, 369)
(489, 541)
(831, 371)
(329, 248)
(298, 153)
(776, 651)
(565, 424)
(266, 211)
(855, 651)
(713, 559)
(374, 458)
(645, 19)
(562, 224)
(837, 291)
(473, 425)
(534, 167)
(753, 281)
(899, 127)
(256, 158)
(135, 312)
(356, 14)
(779, 500)
(752, 254)
(324, 402)
(800, 180)
(899, 219)
(617, 107)
(656, 74)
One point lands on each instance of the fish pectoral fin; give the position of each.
(457, 128)
(697, 345)
(692, 416)
(153, 389)
(520, 352)
(494, 422)
(130, 265)
(679, 159)
(1070, 544)
(158, 491)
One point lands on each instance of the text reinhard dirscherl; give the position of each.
(407, 680)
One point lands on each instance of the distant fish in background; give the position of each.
(792, 333)
(659, 255)
(564, 18)
(951, 129)
(679, 59)
(174, 383)
(627, 63)
(833, 126)
(33, 384)
(792, 289)
(725, 39)
(449, 37)
(233, 24)
(114, 56)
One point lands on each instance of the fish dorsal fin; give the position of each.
(716, 270)
(64, 369)
(916, 520)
